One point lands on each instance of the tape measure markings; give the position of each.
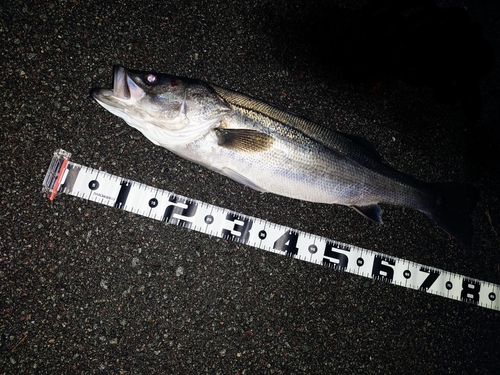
(101, 187)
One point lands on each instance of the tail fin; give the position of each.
(451, 209)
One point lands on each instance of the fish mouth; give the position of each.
(124, 88)
(120, 85)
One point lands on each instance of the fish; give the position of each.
(274, 151)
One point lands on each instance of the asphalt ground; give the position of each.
(89, 289)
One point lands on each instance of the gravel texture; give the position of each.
(89, 289)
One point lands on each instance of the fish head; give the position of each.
(165, 108)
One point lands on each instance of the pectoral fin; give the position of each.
(246, 140)
(372, 212)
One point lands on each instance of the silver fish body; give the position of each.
(271, 150)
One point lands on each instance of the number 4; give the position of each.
(287, 242)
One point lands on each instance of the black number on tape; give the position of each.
(429, 280)
(287, 242)
(341, 259)
(470, 291)
(173, 209)
(382, 269)
(123, 194)
(243, 228)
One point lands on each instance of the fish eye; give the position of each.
(151, 78)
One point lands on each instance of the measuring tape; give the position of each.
(101, 187)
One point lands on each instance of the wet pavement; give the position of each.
(90, 289)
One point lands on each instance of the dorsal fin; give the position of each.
(352, 147)
(364, 144)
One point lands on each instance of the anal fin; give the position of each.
(372, 212)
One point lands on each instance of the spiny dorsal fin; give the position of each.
(354, 147)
